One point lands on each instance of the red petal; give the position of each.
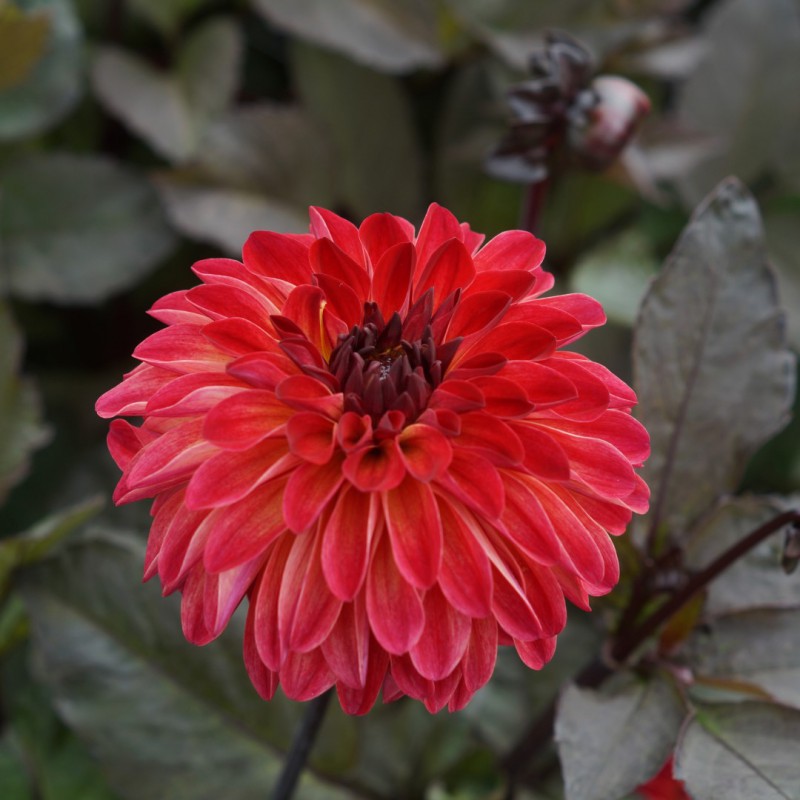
(311, 436)
(415, 530)
(600, 465)
(543, 456)
(244, 530)
(263, 370)
(593, 396)
(475, 482)
(230, 475)
(478, 312)
(458, 396)
(444, 637)
(328, 259)
(341, 300)
(304, 308)
(516, 283)
(347, 541)
(342, 232)
(514, 340)
(503, 397)
(175, 309)
(510, 250)
(306, 608)
(491, 438)
(542, 385)
(584, 308)
(438, 226)
(223, 302)
(125, 441)
(393, 605)
(278, 255)
(224, 592)
(359, 701)
(381, 232)
(449, 268)
(182, 547)
(241, 421)
(308, 394)
(391, 282)
(563, 326)
(466, 575)
(375, 468)
(309, 490)
(192, 612)
(425, 451)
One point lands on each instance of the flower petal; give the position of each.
(241, 421)
(309, 490)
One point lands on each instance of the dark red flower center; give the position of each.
(392, 366)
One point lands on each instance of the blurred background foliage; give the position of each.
(137, 136)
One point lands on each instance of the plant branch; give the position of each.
(540, 732)
(301, 747)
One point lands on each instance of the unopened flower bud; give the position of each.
(610, 122)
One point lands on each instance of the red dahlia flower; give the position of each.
(663, 785)
(374, 435)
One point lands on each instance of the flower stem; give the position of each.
(519, 760)
(532, 205)
(301, 747)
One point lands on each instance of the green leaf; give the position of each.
(759, 647)
(711, 367)
(79, 228)
(33, 545)
(368, 120)
(617, 273)
(22, 44)
(740, 752)
(387, 35)
(171, 110)
(740, 92)
(611, 743)
(756, 580)
(165, 719)
(52, 86)
(166, 15)
(21, 429)
(259, 167)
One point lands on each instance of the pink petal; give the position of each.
(174, 308)
(181, 348)
(347, 541)
(182, 547)
(264, 605)
(479, 659)
(305, 675)
(360, 701)
(230, 475)
(125, 441)
(395, 611)
(196, 393)
(238, 336)
(241, 421)
(309, 490)
(224, 592)
(391, 282)
(192, 611)
(130, 397)
(163, 513)
(264, 680)
(536, 653)
(347, 647)
(415, 530)
(245, 529)
(466, 574)
(444, 638)
(510, 250)
(306, 608)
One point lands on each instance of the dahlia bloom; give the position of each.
(374, 435)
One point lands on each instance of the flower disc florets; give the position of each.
(374, 436)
